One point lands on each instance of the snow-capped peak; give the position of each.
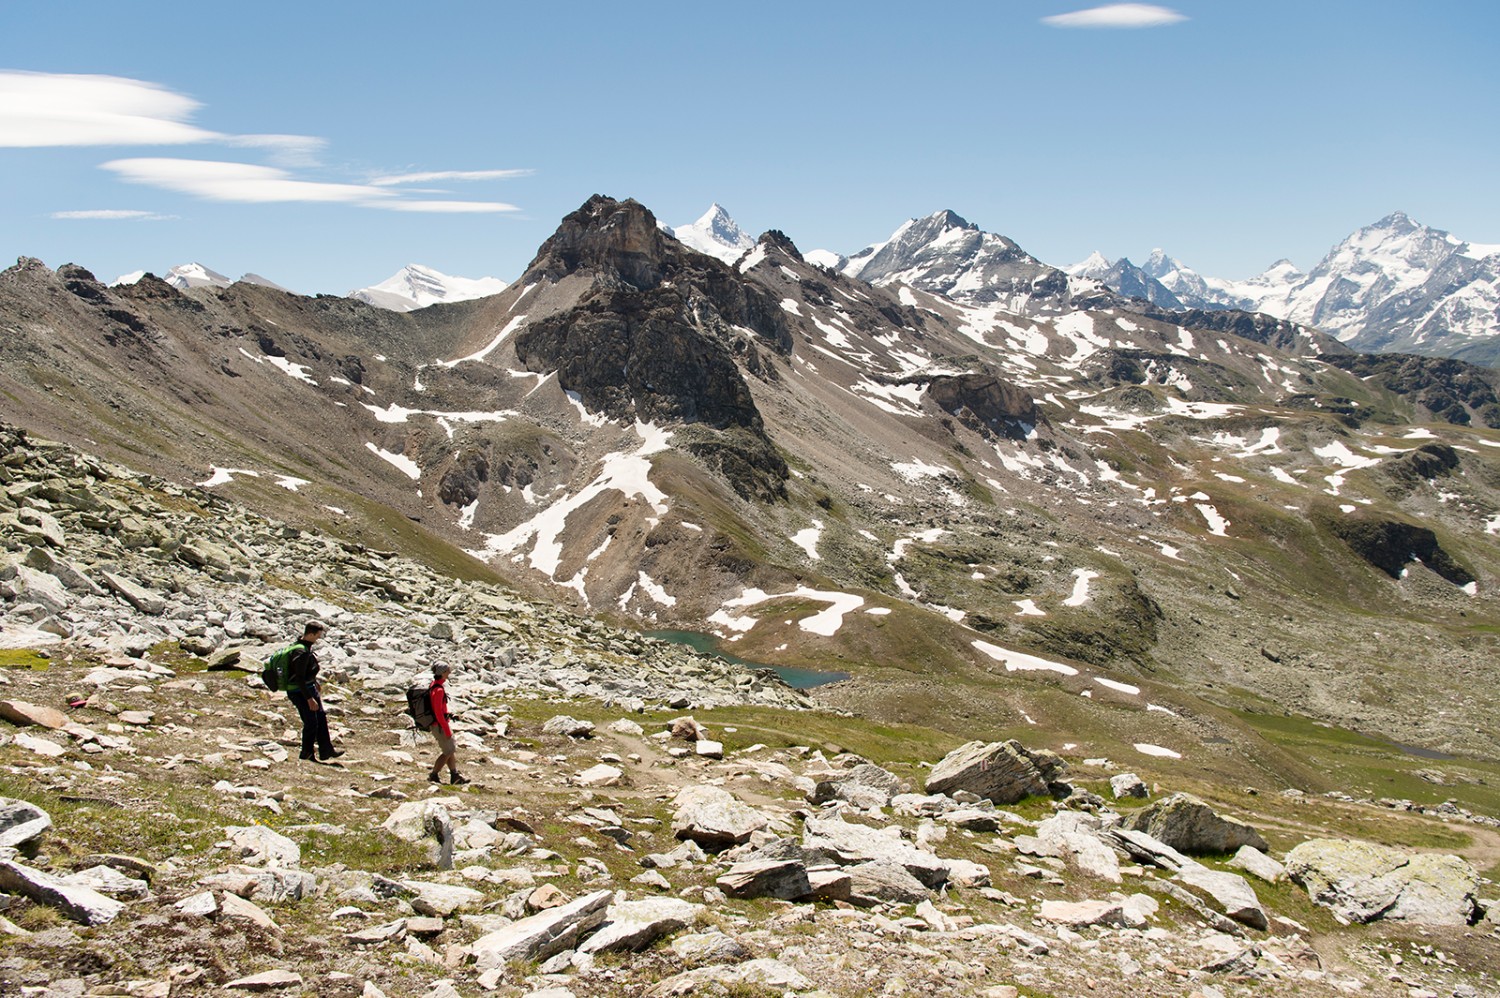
(716, 234)
(1095, 266)
(195, 275)
(415, 286)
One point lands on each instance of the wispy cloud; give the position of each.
(113, 215)
(422, 178)
(56, 109)
(1117, 15)
(249, 183)
(446, 207)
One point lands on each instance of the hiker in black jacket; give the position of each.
(302, 690)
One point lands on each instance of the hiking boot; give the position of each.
(434, 778)
(455, 779)
(306, 757)
(332, 755)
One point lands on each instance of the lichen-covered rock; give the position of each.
(1003, 772)
(714, 818)
(1188, 825)
(1363, 881)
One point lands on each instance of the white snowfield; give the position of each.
(223, 476)
(1081, 579)
(1015, 661)
(826, 623)
(404, 464)
(629, 474)
(807, 539)
(1146, 748)
(494, 344)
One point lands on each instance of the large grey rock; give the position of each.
(846, 844)
(31, 586)
(260, 846)
(541, 935)
(634, 925)
(270, 980)
(1074, 838)
(1127, 785)
(569, 727)
(109, 882)
(137, 596)
(1147, 849)
(81, 904)
(764, 974)
(866, 786)
(1258, 864)
(1362, 882)
(786, 879)
(885, 881)
(440, 900)
(1003, 772)
(1226, 892)
(238, 909)
(714, 818)
(1188, 825)
(704, 948)
(273, 884)
(22, 823)
(425, 822)
(63, 571)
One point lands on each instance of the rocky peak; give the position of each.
(618, 239)
(775, 239)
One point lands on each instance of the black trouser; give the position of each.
(314, 722)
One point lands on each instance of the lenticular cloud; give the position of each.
(1117, 15)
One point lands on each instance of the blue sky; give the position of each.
(291, 139)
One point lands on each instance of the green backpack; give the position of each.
(276, 675)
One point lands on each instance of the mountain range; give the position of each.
(1396, 285)
(1042, 496)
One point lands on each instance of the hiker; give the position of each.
(302, 690)
(441, 729)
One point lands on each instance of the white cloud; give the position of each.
(53, 109)
(285, 150)
(113, 215)
(422, 178)
(1117, 15)
(243, 182)
(248, 183)
(446, 206)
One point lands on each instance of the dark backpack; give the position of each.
(276, 675)
(419, 706)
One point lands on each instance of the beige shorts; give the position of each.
(445, 742)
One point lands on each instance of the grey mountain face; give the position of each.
(947, 255)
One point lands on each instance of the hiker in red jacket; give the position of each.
(441, 729)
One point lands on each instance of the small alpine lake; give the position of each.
(797, 679)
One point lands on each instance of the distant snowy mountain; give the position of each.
(947, 255)
(1125, 278)
(826, 258)
(195, 275)
(715, 234)
(415, 286)
(1396, 285)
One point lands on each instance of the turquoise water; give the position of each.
(797, 679)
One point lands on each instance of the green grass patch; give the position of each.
(24, 658)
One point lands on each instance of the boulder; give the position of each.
(602, 775)
(440, 900)
(1362, 882)
(81, 904)
(884, 881)
(753, 976)
(1003, 772)
(865, 786)
(1128, 785)
(714, 818)
(1073, 838)
(22, 823)
(137, 596)
(634, 925)
(786, 879)
(259, 846)
(846, 844)
(238, 909)
(705, 948)
(424, 822)
(1258, 864)
(1079, 914)
(23, 714)
(109, 882)
(569, 727)
(63, 571)
(1188, 825)
(271, 980)
(201, 905)
(1225, 892)
(542, 935)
